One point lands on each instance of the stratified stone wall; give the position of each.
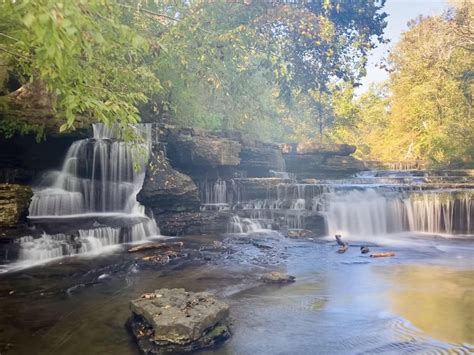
(14, 202)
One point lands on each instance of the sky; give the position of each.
(399, 13)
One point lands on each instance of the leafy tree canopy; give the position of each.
(221, 64)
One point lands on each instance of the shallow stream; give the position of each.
(420, 301)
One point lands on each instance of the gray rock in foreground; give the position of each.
(173, 320)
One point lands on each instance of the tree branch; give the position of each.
(14, 54)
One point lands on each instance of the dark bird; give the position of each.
(339, 240)
(364, 249)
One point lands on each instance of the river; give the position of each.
(68, 292)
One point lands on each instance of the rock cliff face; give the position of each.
(207, 155)
(14, 202)
(166, 189)
(197, 151)
(258, 161)
(314, 160)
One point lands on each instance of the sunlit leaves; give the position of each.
(92, 63)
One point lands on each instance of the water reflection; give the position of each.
(437, 300)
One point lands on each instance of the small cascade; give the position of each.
(45, 248)
(298, 204)
(215, 196)
(243, 225)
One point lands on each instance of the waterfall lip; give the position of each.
(89, 215)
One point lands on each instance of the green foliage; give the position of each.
(266, 68)
(92, 64)
(427, 113)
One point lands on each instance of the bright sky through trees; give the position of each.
(399, 13)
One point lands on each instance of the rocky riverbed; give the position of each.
(339, 303)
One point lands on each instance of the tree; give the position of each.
(243, 65)
(432, 86)
(92, 63)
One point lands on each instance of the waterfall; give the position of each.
(370, 212)
(99, 174)
(363, 213)
(440, 212)
(100, 177)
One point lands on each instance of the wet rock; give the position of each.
(186, 223)
(343, 249)
(14, 202)
(166, 189)
(277, 278)
(299, 233)
(159, 246)
(173, 320)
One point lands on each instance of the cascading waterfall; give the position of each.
(100, 176)
(363, 213)
(370, 212)
(371, 203)
(441, 212)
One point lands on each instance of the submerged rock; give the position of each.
(299, 233)
(14, 202)
(173, 320)
(277, 278)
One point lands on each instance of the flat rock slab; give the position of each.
(277, 278)
(181, 320)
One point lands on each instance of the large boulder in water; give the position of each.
(173, 320)
(14, 202)
(166, 189)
